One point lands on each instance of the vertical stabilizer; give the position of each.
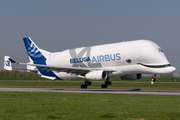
(38, 56)
(7, 63)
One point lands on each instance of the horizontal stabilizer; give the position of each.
(12, 61)
(48, 77)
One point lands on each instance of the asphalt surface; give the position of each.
(96, 91)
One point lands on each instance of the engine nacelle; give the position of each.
(96, 75)
(131, 77)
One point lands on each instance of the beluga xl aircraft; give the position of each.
(129, 60)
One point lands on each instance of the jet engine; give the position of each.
(131, 77)
(96, 75)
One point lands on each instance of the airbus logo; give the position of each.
(97, 59)
(106, 58)
(85, 60)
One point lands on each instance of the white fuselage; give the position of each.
(124, 58)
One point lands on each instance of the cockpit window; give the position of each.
(155, 66)
(160, 50)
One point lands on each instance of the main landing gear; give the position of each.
(86, 83)
(107, 82)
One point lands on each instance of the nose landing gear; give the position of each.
(153, 79)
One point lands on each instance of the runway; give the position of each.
(94, 91)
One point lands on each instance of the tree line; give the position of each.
(170, 75)
(15, 73)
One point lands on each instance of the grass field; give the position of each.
(54, 106)
(95, 85)
(71, 106)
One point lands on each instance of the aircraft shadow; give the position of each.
(106, 90)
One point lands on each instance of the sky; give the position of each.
(57, 25)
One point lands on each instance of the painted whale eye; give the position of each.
(128, 60)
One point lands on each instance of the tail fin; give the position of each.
(7, 63)
(37, 55)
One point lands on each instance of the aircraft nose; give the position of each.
(171, 69)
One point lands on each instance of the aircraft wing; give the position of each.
(75, 70)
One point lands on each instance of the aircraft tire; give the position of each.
(89, 83)
(103, 86)
(83, 86)
(153, 79)
(86, 82)
(108, 82)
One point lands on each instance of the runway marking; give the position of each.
(94, 91)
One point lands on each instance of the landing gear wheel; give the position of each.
(153, 79)
(87, 82)
(108, 82)
(103, 86)
(83, 86)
